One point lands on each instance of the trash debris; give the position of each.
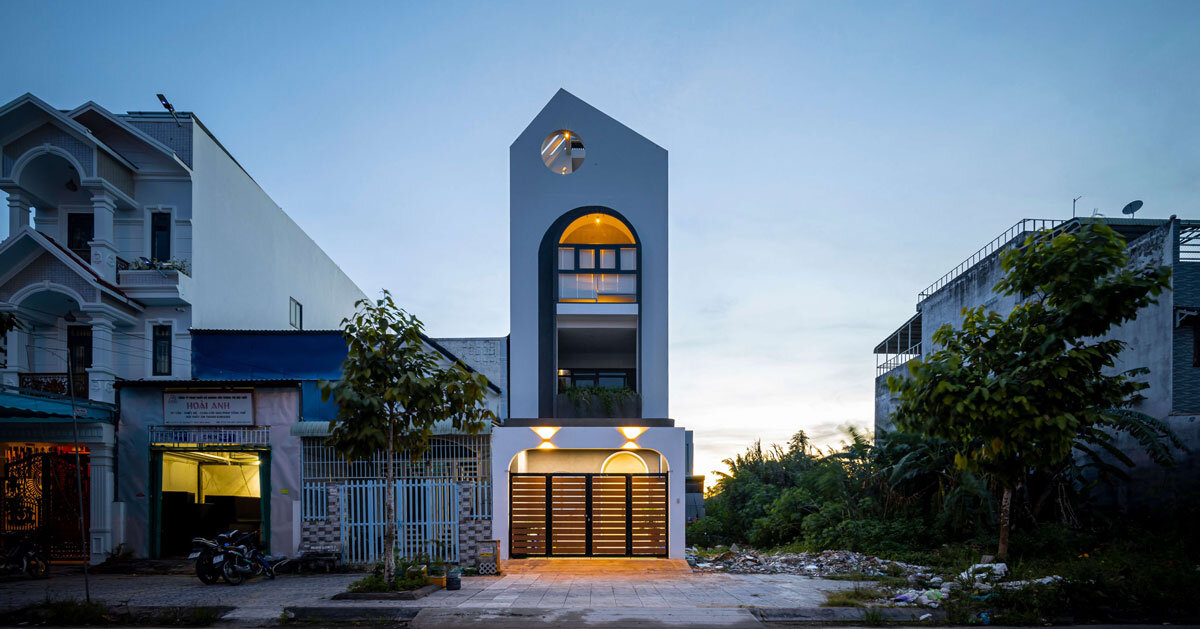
(925, 617)
(1016, 585)
(826, 563)
(985, 572)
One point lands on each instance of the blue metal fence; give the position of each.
(314, 505)
(426, 519)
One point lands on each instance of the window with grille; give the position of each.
(162, 350)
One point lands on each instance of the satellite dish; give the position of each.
(1132, 207)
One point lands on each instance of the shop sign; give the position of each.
(216, 408)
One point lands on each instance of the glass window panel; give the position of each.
(608, 258)
(566, 258)
(160, 236)
(627, 284)
(162, 350)
(576, 286)
(587, 258)
(629, 259)
(611, 380)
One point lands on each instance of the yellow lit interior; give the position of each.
(624, 463)
(597, 229)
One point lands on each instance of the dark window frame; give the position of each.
(155, 243)
(595, 269)
(79, 347)
(80, 247)
(295, 313)
(160, 349)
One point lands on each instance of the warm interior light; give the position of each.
(545, 432)
(631, 432)
(546, 445)
(629, 445)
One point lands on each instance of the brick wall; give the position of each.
(470, 532)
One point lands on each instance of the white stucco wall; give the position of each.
(250, 257)
(622, 171)
(669, 442)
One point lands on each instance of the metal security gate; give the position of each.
(564, 515)
(39, 498)
(426, 519)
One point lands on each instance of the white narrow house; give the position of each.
(588, 463)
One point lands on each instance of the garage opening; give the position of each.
(588, 515)
(204, 493)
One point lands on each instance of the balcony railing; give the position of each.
(210, 435)
(55, 383)
(591, 406)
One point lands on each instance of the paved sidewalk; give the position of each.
(260, 601)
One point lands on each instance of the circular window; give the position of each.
(562, 152)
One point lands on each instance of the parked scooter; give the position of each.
(243, 558)
(20, 554)
(210, 554)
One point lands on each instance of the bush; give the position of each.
(409, 575)
(706, 533)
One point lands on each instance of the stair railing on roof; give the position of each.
(1024, 226)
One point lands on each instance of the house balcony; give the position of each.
(157, 287)
(55, 383)
(586, 405)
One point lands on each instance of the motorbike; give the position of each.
(20, 554)
(244, 558)
(209, 554)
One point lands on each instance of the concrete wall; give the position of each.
(622, 171)
(250, 256)
(142, 408)
(488, 356)
(671, 443)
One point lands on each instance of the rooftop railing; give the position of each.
(1023, 227)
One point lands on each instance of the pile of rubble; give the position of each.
(826, 563)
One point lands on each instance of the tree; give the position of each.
(1016, 394)
(392, 394)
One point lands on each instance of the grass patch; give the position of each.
(853, 597)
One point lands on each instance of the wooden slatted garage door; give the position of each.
(527, 515)
(558, 515)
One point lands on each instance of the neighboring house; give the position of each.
(125, 231)
(1165, 337)
(208, 478)
(589, 462)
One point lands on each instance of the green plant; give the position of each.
(853, 597)
(1014, 394)
(873, 617)
(610, 398)
(393, 392)
(408, 575)
(174, 264)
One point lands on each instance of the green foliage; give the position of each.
(1013, 395)
(610, 398)
(394, 391)
(409, 575)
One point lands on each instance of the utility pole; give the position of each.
(83, 534)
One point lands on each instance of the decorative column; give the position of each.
(18, 212)
(104, 243)
(103, 373)
(17, 357)
(100, 486)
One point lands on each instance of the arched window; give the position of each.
(624, 463)
(597, 261)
